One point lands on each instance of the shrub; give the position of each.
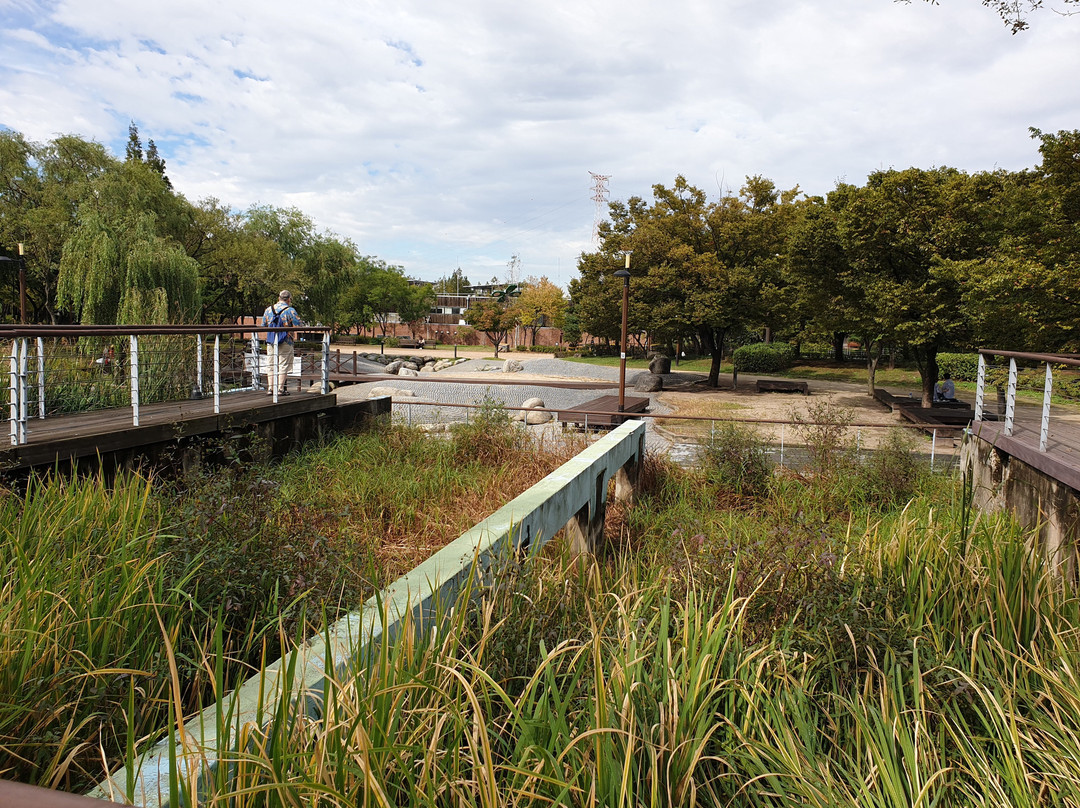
(763, 357)
(489, 436)
(735, 458)
(824, 431)
(961, 366)
(892, 471)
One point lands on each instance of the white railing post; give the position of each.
(198, 363)
(134, 380)
(933, 447)
(1010, 400)
(1044, 428)
(13, 393)
(255, 362)
(980, 388)
(782, 445)
(326, 363)
(217, 373)
(273, 372)
(24, 392)
(41, 377)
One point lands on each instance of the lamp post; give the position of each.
(22, 285)
(625, 275)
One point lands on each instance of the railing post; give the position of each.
(256, 360)
(1044, 428)
(24, 393)
(326, 362)
(1010, 401)
(41, 377)
(217, 373)
(272, 375)
(134, 380)
(980, 388)
(198, 363)
(933, 447)
(13, 393)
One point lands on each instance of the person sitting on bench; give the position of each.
(945, 390)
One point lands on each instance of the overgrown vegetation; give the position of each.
(99, 578)
(840, 636)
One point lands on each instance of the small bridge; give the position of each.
(1025, 458)
(127, 392)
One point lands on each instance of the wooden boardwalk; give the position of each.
(71, 437)
(603, 411)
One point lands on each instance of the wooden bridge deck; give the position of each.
(70, 437)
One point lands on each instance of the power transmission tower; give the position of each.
(600, 197)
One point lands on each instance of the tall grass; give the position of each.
(217, 565)
(876, 657)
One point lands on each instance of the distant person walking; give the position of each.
(280, 315)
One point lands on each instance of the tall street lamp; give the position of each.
(625, 275)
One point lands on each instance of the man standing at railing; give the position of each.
(280, 315)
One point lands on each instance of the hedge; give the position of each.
(763, 357)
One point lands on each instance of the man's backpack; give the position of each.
(276, 320)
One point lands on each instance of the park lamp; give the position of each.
(625, 275)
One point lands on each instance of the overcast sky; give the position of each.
(445, 134)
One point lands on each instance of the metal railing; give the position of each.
(782, 443)
(57, 370)
(1049, 360)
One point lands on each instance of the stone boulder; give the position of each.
(427, 368)
(660, 364)
(648, 383)
(405, 370)
(513, 366)
(395, 366)
(393, 392)
(537, 415)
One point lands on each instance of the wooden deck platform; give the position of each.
(64, 438)
(603, 411)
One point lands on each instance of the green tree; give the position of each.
(494, 317)
(387, 293)
(909, 236)
(541, 303)
(697, 268)
(133, 152)
(416, 305)
(453, 284)
(117, 266)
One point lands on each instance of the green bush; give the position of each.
(961, 366)
(735, 458)
(763, 357)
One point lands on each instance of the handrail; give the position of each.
(1073, 360)
(22, 389)
(14, 331)
(1070, 360)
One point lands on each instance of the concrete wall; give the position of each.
(1038, 499)
(573, 496)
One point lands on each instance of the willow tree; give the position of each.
(127, 276)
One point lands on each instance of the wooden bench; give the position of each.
(782, 386)
(409, 342)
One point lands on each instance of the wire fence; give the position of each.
(785, 442)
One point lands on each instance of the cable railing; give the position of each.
(1009, 394)
(63, 370)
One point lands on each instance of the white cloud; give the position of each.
(443, 134)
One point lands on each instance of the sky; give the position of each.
(439, 135)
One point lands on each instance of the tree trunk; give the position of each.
(838, 345)
(713, 342)
(926, 361)
(873, 356)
